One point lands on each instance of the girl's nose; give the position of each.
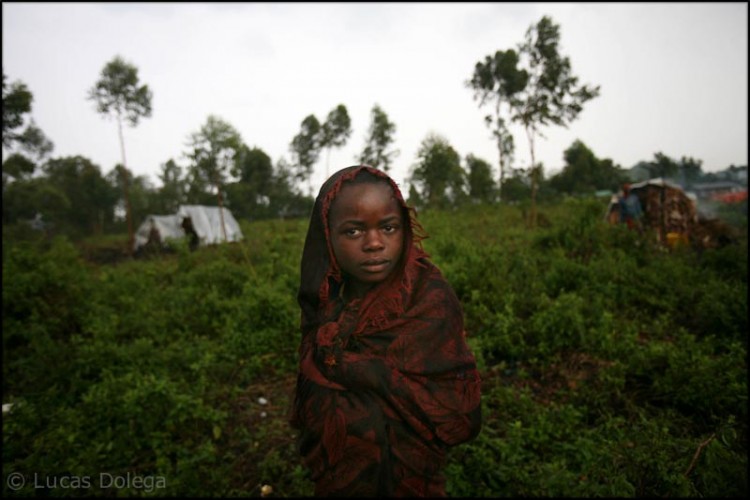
(373, 241)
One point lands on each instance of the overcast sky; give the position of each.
(673, 76)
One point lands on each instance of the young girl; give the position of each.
(386, 381)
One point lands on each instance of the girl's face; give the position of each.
(367, 234)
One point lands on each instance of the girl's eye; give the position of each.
(351, 232)
(390, 228)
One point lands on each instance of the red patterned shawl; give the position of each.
(386, 382)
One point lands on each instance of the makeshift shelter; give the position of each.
(672, 215)
(667, 210)
(157, 230)
(203, 222)
(207, 222)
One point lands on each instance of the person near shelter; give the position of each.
(630, 208)
(187, 226)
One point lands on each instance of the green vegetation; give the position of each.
(610, 366)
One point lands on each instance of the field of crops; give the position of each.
(610, 366)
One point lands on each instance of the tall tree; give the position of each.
(552, 94)
(305, 148)
(379, 138)
(213, 153)
(438, 176)
(335, 131)
(118, 93)
(482, 188)
(498, 79)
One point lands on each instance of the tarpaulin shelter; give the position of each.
(158, 229)
(204, 221)
(667, 209)
(207, 223)
(672, 215)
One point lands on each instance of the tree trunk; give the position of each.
(500, 152)
(532, 174)
(128, 214)
(221, 211)
(502, 169)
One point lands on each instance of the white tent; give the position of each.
(206, 222)
(166, 227)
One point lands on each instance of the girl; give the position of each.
(386, 381)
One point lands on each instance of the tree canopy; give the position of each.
(379, 138)
(305, 148)
(438, 177)
(335, 131)
(30, 146)
(118, 92)
(17, 99)
(482, 186)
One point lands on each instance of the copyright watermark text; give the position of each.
(103, 480)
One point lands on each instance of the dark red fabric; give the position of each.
(386, 382)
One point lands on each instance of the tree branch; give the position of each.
(698, 452)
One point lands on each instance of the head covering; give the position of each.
(321, 277)
(386, 381)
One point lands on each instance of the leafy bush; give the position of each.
(610, 367)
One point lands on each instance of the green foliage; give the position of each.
(379, 138)
(254, 168)
(18, 166)
(173, 189)
(438, 177)
(24, 199)
(118, 92)
(305, 147)
(262, 192)
(584, 173)
(34, 142)
(610, 368)
(17, 99)
(88, 199)
(139, 189)
(336, 130)
(213, 152)
(482, 187)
